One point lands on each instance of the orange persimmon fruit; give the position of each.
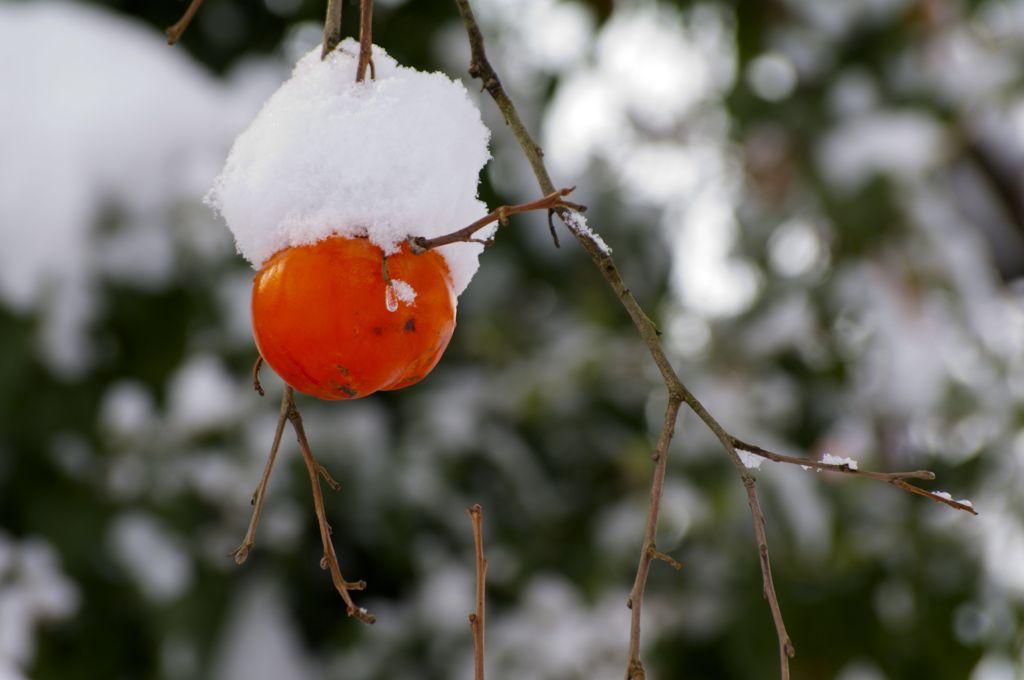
(335, 319)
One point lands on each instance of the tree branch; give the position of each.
(332, 28)
(476, 619)
(894, 478)
(595, 247)
(480, 67)
(175, 32)
(330, 559)
(365, 41)
(553, 201)
(241, 554)
(830, 467)
(649, 551)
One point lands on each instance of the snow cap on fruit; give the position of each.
(388, 158)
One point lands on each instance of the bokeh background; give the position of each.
(819, 202)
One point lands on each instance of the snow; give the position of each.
(829, 459)
(389, 158)
(578, 224)
(402, 291)
(750, 460)
(202, 395)
(259, 639)
(772, 76)
(949, 497)
(33, 590)
(152, 556)
(900, 144)
(127, 127)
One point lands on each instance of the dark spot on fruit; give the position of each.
(347, 391)
(377, 330)
(344, 369)
(410, 326)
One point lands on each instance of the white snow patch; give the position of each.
(945, 495)
(389, 158)
(829, 459)
(995, 666)
(153, 556)
(202, 395)
(127, 409)
(79, 137)
(33, 590)
(750, 460)
(403, 291)
(260, 638)
(901, 144)
(579, 223)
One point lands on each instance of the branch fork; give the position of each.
(678, 394)
(289, 413)
(554, 201)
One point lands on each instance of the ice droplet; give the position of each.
(391, 298)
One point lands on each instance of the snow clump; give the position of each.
(829, 459)
(388, 158)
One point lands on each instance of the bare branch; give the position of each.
(365, 41)
(476, 619)
(552, 201)
(242, 552)
(830, 467)
(330, 559)
(786, 648)
(894, 478)
(256, 384)
(649, 552)
(481, 68)
(938, 498)
(175, 32)
(332, 27)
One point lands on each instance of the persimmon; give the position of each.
(340, 320)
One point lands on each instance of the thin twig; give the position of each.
(844, 468)
(256, 384)
(649, 551)
(959, 505)
(175, 32)
(365, 41)
(476, 619)
(419, 244)
(332, 28)
(786, 648)
(242, 552)
(894, 478)
(330, 559)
